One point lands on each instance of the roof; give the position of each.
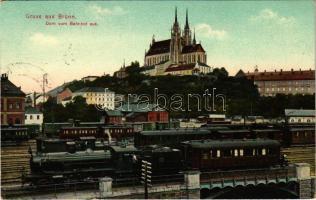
(192, 48)
(31, 110)
(176, 132)
(207, 144)
(93, 89)
(114, 113)
(282, 75)
(159, 47)
(8, 89)
(299, 112)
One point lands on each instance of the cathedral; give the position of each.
(180, 55)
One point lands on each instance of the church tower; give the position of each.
(175, 43)
(187, 31)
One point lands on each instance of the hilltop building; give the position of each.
(179, 55)
(282, 82)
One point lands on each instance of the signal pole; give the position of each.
(146, 176)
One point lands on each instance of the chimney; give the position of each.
(4, 76)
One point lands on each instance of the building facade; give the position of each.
(102, 97)
(283, 82)
(12, 102)
(33, 116)
(300, 116)
(175, 52)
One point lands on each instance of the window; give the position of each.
(25, 116)
(38, 117)
(254, 152)
(241, 152)
(10, 105)
(236, 152)
(218, 153)
(31, 116)
(305, 134)
(263, 151)
(17, 105)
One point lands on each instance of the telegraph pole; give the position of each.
(146, 176)
(43, 87)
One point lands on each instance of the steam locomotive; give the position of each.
(60, 160)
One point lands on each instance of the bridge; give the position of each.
(293, 181)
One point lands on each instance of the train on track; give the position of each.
(60, 160)
(18, 133)
(286, 135)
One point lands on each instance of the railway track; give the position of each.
(14, 162)
(301, 154)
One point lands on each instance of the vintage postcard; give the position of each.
(157, 99)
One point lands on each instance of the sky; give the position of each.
(235, 35)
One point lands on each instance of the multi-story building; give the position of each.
(12, 102)
(102, 97)
(283, 82)
(180, 53)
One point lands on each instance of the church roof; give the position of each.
(8, 89)
(159, 47)
(193, 48)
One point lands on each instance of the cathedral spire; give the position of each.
(186, 20)
(176, 16)
(194, 41)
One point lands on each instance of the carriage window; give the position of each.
(218, 153)
(254, 152)
(263, 151)
(241, 152)
(236, 152)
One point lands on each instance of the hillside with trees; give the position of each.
(241, 95)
